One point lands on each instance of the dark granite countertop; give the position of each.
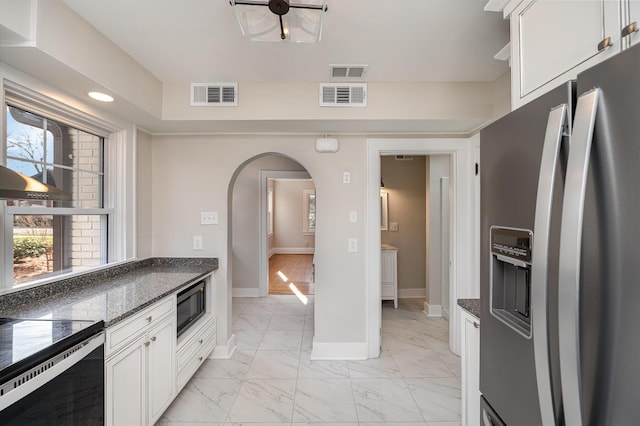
(470, 305)
(111, 294)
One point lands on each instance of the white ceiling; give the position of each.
(400, 41)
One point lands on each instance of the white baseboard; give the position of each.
(445, 314)
(412, 293)
(433, 311)
(226, 351)
(293, 250)
(245, 292)
(339, 351)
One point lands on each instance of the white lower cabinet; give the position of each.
(470, 358)
(389, 274)
(141, 369)
(195, 347)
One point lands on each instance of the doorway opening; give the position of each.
(463, 279)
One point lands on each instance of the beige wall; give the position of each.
(246, 224)
(288, 234)
(193, 174)
(144, 211)
(405, 181)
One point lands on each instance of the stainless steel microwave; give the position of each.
(191, 305)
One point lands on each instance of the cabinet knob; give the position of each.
(476, 324)
(147, 343)
(201, 341)
(630, 29)
(199, 358)
(153, 339)
(604, 44)
(149, 318)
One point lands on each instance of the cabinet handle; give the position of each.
(476, 324)
(604, 44)
(201, 341)
(199, 358)
(630, 29)
(149, 318)
(147, 343)
(153, 339)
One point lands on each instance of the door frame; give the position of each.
(464, 283)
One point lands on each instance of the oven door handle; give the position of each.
(61, 363)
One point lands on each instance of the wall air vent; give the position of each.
(214, 94)
(404, 157)
(347, 71)
(348, 95)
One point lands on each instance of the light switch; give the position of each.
(353, 245)
(209, 218)
(197, 242)
(353, 216)
(346, 177)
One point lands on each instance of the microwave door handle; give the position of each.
(557, 127)
(570, 255)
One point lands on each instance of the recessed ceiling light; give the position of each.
(102, 97)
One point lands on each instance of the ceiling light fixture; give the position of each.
(102, 97)
(298, 23)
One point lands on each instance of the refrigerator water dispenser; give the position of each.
(511, 277)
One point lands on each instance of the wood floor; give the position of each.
(286, 269)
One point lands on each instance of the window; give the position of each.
(309, 211)
(54, 237)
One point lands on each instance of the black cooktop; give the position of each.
(24, 343)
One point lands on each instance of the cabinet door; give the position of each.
(471, 370)
(126, 385)
(388, 273)
(161, 367)
(632, 11)
(554, 40)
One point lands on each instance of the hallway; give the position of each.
(271, 379)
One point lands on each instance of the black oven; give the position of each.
(191, 305)
(52, 372)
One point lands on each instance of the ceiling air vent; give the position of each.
(214, 94)
(404, 157)
(347, 71)
(349, 95)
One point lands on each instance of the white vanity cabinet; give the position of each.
(552, 41)
(389, 274)
(140, 365)
(470, 358)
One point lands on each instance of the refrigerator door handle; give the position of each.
(557, 127)
(570, 255)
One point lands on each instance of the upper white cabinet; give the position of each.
(630, 33)
(553, 40)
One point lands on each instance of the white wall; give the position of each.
(192, 174)
(438, 168)
(289, 207)
(144, 183)
(246, 224)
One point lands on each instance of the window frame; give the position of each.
(114, 236)
(306, 210)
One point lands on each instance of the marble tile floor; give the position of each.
(271, 380)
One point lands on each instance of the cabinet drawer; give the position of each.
(127, 330)
(195, 351)
(192, 347)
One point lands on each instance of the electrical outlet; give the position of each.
(209, 218)
(197, 242)
(353, 216)
(352, 245)
(393, 226)
(346, 177)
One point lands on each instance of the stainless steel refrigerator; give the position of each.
(560, 254)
